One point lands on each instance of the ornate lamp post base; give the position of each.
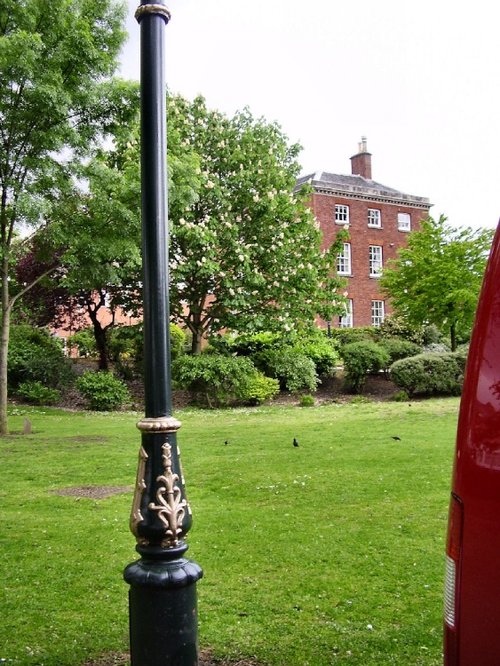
(163, 618)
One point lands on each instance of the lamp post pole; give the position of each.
(162, 595)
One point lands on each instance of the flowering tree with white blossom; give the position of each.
(244, 246)
(245, 255)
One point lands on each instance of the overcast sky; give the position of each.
(419, 80)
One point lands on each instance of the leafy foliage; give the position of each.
(430, 374)
(35, 356)
(84, 341)
(294, 371)
(398, 349)
(56, 98)
(248, 344)
(360, 358)
(38, 394)
(246, 253)
(437, 278)
(214, 379)
(102, 390)
(344, 336)
(259, 389)
(321, 350)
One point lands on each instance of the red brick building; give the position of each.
(378, 219)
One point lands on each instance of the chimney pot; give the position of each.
(361, 164)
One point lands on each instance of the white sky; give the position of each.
(419, 80)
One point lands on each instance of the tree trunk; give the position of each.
(4, 345)
(196, 344)
(100, 331)
(453, 337)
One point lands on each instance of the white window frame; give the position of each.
(346, 319)
(404, 222)
(341, 214)
(375, 218)
(376, 260)
(378, 312)
(344, 260)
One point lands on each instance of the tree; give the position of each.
(244, 248)
(437, 278)
(245, 254)
(56, 98)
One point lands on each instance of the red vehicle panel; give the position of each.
(472, 598)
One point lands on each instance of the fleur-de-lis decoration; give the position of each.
(171, 506)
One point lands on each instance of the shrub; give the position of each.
(36, 356)
(213, 379)
(321, 350)
(102, 390)
(307, 400)
(398, 348)
(359, 359)
(38, 394)
(178, 341)
(429, 374)
(294, 371)
(84, 341)
(345, 336)
(400, 396)
(248, 344)
(396, 326)
(436, 348)
(127, 352)
(258, 389)
(431, 335)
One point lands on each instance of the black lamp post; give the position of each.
(162, 596)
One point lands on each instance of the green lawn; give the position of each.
(329, 553)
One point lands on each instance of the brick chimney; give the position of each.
(361, 164)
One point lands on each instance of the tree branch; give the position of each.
(32, 284)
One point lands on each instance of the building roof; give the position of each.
(358, 187)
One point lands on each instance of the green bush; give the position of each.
(178, 341)
(307, 400)
(400, 396)
(359, 359)
(430, 374)
(84, 341)
(213, 379)
(248, 344)
(102, 390)
(321, 350)
(36, 356)
(259, 389)
(126, 348)
(431, 335)
(345, 336)
(395, 326)
(38, 394)
(294, 371)
(398, 348)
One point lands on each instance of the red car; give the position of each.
(472, 586)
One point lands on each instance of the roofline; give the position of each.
(360, 193)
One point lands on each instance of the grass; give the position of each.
(326, 553)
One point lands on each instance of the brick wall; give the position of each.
(362, 288)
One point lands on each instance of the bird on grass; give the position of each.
(398, 439)
(295, 442)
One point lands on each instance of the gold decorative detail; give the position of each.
(152, 9)
(159, 424)
(140, 485)
(171, 506)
